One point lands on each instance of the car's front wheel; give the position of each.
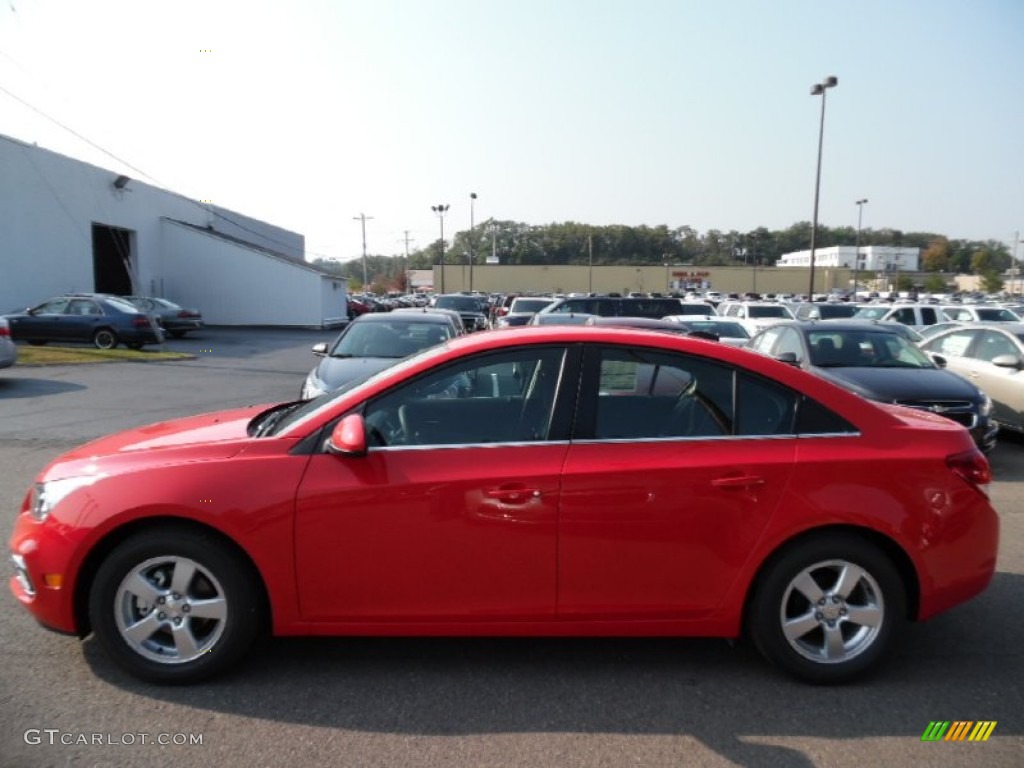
(827, 609)
(174, 606)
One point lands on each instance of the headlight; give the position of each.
(46, 496)
(313, 386)
(986, 406)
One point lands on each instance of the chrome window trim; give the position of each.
(437, 446)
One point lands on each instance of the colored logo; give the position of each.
(958, 730)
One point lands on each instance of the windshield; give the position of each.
(529, 305)
(458, 303)
(997, 316)
(776, 311)
(391, 340)
(872, 313)
(728, 329)
(864, 349)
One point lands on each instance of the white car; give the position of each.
(727, 330)
(755, 315)
(980, 313)
(8, 349)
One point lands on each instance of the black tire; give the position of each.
(104, 338)
(171, 644)
(860, 609)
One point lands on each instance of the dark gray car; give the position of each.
(371, 343)
(879, 364)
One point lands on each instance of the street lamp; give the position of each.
(441, 210)
(856, 256)
(818, 89)
(472, 236)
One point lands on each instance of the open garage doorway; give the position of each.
(113, 259)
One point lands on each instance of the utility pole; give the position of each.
(590, 263)
(362, 217)
(472, 236)
(405, 267)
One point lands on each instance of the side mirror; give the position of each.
(1006, 361)
(348, 438)
(939, 360)
(320, 350)
(789, 358)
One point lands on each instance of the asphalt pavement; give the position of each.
(467, 702)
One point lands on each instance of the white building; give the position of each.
(873, 258)
(68, 226)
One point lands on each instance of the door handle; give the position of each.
(512, 495)
(738, 481)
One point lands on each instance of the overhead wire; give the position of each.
(208, 208)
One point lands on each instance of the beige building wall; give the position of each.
(494, 278)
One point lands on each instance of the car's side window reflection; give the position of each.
(647, 394)
(507, 397)
(643, 394)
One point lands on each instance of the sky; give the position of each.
(308, 113)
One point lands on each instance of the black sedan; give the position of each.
(100, 319)
(173, 318)
(371, 343)
(474, 316)
(878, 363)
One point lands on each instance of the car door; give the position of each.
(1004, 384)
(81, 317)
(41, 323)
(451, 515)
(675, 467)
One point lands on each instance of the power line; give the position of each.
(157, 182)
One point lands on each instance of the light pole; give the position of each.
(441, 210)
(856, 256)
(472, 236)
(818, 89)
(362, 217)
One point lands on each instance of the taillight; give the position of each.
(972, 467)
(184, 313)
(4, 330)
(140, 321)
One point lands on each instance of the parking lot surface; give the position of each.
(443, 702)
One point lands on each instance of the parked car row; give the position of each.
(103, 320)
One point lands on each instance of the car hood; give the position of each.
(195, 438)
(335, 371)
(902, 384)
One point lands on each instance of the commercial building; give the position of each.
(68, 226)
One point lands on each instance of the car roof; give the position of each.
(834, 326)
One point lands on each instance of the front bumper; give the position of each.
(43, 581)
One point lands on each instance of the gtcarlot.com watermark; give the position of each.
(55, 736)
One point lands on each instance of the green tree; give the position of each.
(935, 284)
(981, 262)
(992, 281)
(936, 257)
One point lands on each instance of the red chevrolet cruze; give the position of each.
(562, 480)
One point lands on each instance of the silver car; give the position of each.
(8, 349)
(992, 357)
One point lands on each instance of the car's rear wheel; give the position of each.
(828, 609)
(104, 338)
(174, 606)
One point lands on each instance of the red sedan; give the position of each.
(563, 480)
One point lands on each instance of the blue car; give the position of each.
(99, 319)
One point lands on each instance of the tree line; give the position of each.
(572, 243)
